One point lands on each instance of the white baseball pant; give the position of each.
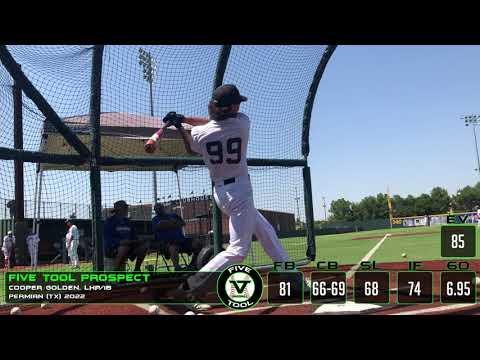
(7, 253)
(236, 201)
(72, 252)
(33, 251)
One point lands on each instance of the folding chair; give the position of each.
(61, 252)
(161, 253)
(184, 253)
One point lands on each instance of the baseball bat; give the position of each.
(151, 143)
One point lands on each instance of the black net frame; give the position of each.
(94, 81)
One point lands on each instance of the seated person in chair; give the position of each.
(121, 242)
(169, 237)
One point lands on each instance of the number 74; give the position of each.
(414, 288)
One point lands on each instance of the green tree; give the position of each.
(440, 200)
(381, 211)
(409, 204)
(356, 212)
(467, 198)
(423, 205)
(398, 206)
(376, 207)
(367, 208)
(341, 210)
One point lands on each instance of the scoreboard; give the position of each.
(373, 287)
(326, 287)
(457, 284)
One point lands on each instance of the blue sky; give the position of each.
(390, 115)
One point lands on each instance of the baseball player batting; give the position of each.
(222, 142)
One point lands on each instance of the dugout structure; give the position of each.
(75, 118)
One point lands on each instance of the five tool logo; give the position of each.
(240, 287)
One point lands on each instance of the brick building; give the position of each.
(197, 213)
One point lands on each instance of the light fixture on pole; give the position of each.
(147, 62)
(474, 120)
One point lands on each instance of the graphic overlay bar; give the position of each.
(458, 241)
(285, 288)
(372, 287)
(328, 287)
(415, 287)
(108, 287)
(458, 287)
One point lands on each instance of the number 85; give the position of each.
(457, 241)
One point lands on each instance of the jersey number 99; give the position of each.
(234, 147)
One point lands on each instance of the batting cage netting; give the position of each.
(51, 95)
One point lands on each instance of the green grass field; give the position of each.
(420, 244)
(346, 249)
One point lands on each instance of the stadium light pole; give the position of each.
(474, 120)
(297, 198)
(324, 207)
(147, 62)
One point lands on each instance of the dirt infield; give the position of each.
(78, 309)
(436, 308)
(395, 235)
(44, 267)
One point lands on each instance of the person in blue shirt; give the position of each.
(167, 228)
(120, 239)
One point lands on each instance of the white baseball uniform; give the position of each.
(73, 237)
(8, 246)
(223, 146)
(32, 243)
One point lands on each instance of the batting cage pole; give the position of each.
(95, 180)
(310, 225)
(307, 182)
(216, 213)
(40, 157)
(39, 199)
(35, 195)
(20, 225)
(307, 113)
(38, 191)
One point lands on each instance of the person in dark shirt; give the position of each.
(167, 228)
(120, 240)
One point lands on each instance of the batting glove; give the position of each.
(174, 118)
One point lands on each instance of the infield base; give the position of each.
(348, 308)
